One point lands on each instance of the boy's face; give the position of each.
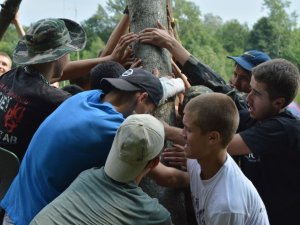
(241, 79)
(60, 65)
(5, 64)
(196, 142)
(260, 104)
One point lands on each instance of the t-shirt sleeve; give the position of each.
(227, 218)
(265, 137)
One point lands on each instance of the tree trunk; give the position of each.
(144, 14)
(7, 13)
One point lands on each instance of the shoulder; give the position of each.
(281, 124)
(235, 184)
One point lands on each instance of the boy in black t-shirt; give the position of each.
(270, 137)
(26, 97)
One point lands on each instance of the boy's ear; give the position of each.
(279, 103)
(143, 96)
(214, 137)
(154, 162)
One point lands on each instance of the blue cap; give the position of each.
(248, 60)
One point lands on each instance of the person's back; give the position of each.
(111, 195)
(26, 101)
(113, 203)
(75, 137)
(26, 96)
(54, 158)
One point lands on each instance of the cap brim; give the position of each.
(21, 55)
(118, 83)
(241, 62)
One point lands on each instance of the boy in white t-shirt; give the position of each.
(220, 192)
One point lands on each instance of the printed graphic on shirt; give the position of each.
(252, 158)
(199, 210)
(12, 108)
(7, 138)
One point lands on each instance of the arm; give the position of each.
(266, 137)
(237, 146)
(200, 74)
(119, 30)
(178, 74)
(197, 72)
(18, 25)
(80, 68)
(173, 134)
(169, 177)
(161, 38)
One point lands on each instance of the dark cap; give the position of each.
(135, 80)
(248, 60)
(49, 39)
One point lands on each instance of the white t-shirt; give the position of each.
(226, 198)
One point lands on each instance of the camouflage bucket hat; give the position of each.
(48, 40)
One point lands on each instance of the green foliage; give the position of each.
(212, 23)
(292, 50)
(98, 26)
(272, 34)
(262, 37)
(197, 36)
(233, 36)
(116, 6)
(9, 40)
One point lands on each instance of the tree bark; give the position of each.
(7, 13)
(144, 14)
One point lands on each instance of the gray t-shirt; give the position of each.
(94, 198)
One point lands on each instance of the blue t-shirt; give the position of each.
(75, 137)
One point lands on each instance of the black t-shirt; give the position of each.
(25, 101)
(274, 165)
